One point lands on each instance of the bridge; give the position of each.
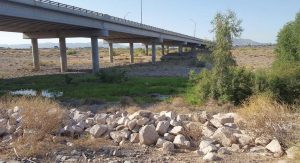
(40, 19)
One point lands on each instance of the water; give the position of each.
(31, 92)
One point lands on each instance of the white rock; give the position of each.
(162, 127)
(208, 131)
(224, 151)
(183, 117)
(211, 157)
(225, 136)
(134, 138)
(98, 130)
(122, 120)
(118, 136)
(263, 140)
(168, 146)
(175, 123)
(205, 143)
(16, 109)
(181, 142)
(148, 135)
(198, 117)
(274, 146)
(209, 148)
(89, 122)
(142, 121)
(101, 118)
(169, 137)
(177, 130)
(258, 149)
(171, 115)
(78, 116)
(160, 142)
(131, 124)
(292, 152)
(216, 122)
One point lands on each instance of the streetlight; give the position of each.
(141, 11)
(195, 29)
(126, 14)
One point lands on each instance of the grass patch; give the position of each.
(90, 86)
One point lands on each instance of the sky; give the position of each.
(262, 19)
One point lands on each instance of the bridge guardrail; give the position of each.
(111, 18)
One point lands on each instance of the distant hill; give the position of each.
(247, 42)
(52, 45)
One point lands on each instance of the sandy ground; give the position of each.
(18, 63)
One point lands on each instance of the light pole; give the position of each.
(195, 28)
(141, 11)
(126, 14)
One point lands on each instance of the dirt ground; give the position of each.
(18, 62)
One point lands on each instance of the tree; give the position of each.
(288, 42)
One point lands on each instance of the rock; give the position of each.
(160, 142)
(258, 149)
(139, 114)
(274, 146)
(198, 117)
(224, 151)
(234, 148)
(122, 121)
(121, 127)
(7, 139)
(169, 137)
(231, 125)
(208, 131)
(100, 118)
(183, 117)
(148, 135)
(181, 142)
(216, 123)
(177, 130)
(89, 122)
(98, 130)
(211, 157)
(205, 143)
(77, 130)
(142, 121)
(262, 141)
(118, 136)
(78, 116)
(170, 114)
(175, 123)
(225, 136)
(67, 131)
(244, 139)
(209, 148)
(134, 138)
(168, 146)
(3, 129)
(162, 127)
(131, 124)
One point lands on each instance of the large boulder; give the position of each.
(225, 136)
(162, 127)
(98, 130)
(148, 135)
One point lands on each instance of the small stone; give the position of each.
(177, 130)
(211, 157)
(134, 138)
(183, 117)
(160, 142)
(208, 131)
(262, 141)
(224, 151)
(162, 127)
(274, 146)
(100, 118)
(98, 130)
(181, 142)
(131, 124)
(169, 137)
(142, 121)
(168, 146)
(225, 136)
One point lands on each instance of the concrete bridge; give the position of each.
(39, 19)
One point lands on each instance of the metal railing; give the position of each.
(110, 18)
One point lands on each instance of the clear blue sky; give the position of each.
(262, 19)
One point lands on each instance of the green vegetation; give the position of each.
(89, 86)
(224, 82)
(71, 52)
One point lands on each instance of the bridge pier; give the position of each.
(63, 55)
(111, 53)
(193, 50)
(168, 49)
(153, 53)
(163, 49)
(131, 52)
(180, 49)
(35, 54)
(146, 49)
(95, 54)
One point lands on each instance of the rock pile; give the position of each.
(218, 134)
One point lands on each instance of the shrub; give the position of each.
(267, 117)
(112, 76)
(71, 52)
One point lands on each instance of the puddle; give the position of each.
(31, 92)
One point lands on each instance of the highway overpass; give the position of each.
(39, 19)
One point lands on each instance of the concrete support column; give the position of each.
(63, 55)
(193, 50)
(168, 49)
(95, 54)
(146, 49)
(163, 49)
(153, 53)
(131, 52)
(35, 54)
(180, 49)
(111, 53)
